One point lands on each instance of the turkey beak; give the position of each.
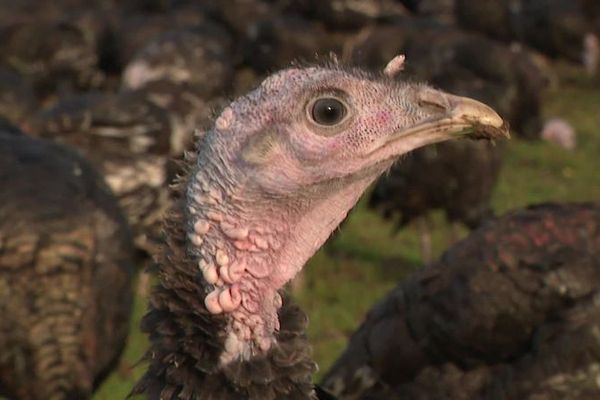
(449, 117)
(461, 115)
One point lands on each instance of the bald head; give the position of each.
(282, 167)
(313, 125)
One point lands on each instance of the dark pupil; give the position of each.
(328, 111)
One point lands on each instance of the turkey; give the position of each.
(199, 56)
(511, 312)
(131, 27)
(168, 90)
(55, 55)
(441, 11)
(269, 182)
(455, 177)
(352, 14)
(128, 139)
(185, 72)
(511, 79)
(557, 28)
(66, 261)
(276, 41)
(17, 99)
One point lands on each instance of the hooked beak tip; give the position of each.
(483, 121)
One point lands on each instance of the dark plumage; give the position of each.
(65, 272)
(131, 136)
(55, 55)
(199, 57)
(555, 27)
(240, 16)
(265, 188)
(188, 339)
(130, 29)
(187, 108)
(17, 99)
(508, 313)
(351, 14)
(185, 72)
(456, 177)
(128, 138)
(277, 41)
(440, 10)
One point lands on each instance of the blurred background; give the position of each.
(130, 85)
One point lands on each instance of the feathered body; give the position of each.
(127, 138)
(17, 100)
(188, 340)
(54, 54)
(508, 313)
(65, 273)
(457, 177)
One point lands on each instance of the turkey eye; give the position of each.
(328, 111)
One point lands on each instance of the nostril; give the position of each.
(433, 100)
(431, 106)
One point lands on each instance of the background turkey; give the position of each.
(61, 58)
(66, 263)
(558, 28)
(509, 312)
(458, 178)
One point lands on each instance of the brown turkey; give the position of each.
(66, 261)
(198, 56)
(127, 138)
(17, 99)
(269, 182)
(55, 55)
(511, 312)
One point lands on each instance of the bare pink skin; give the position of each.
(271, 183)
(559, 132)
(591, 53)
(248, 259)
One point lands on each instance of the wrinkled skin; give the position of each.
(270, 182)
(284, 161)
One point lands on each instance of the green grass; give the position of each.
(365, 261)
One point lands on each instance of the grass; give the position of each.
(365, 261)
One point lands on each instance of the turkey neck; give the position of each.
(248, 245)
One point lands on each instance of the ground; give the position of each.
(365, 260)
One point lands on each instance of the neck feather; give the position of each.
(188, 350)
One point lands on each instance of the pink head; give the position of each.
(282, 167)
(304, 127)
